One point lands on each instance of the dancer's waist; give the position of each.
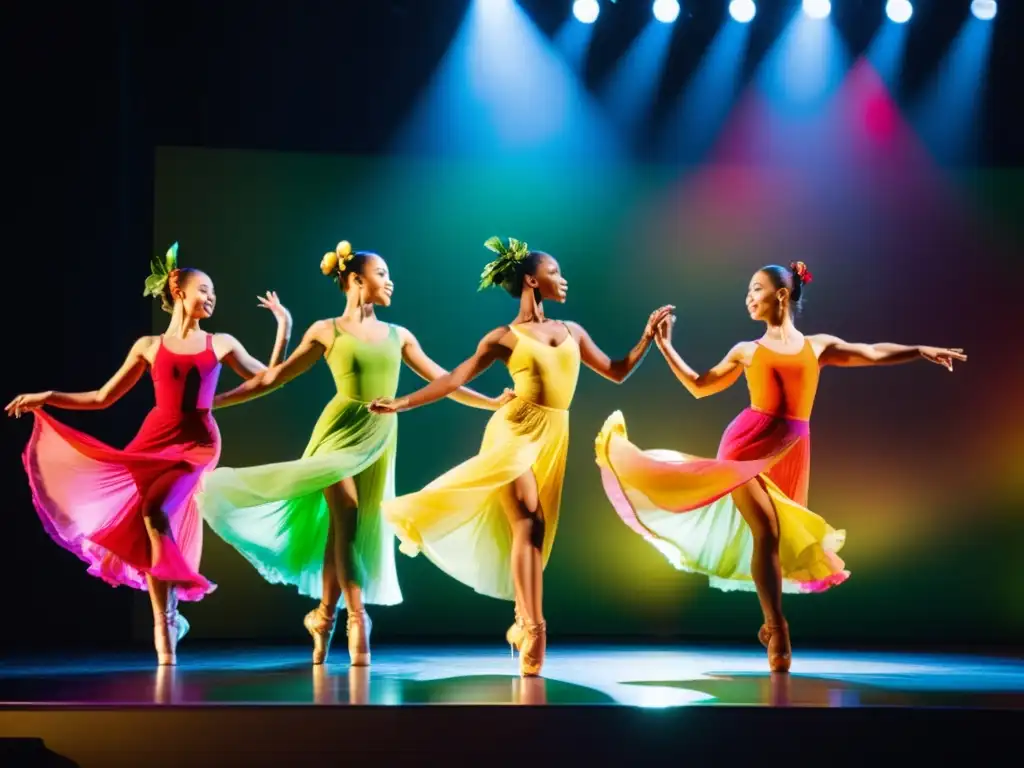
(177, 410)
(543, 406)
(778, 415)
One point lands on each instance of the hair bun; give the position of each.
(801, 272)
(173, 281)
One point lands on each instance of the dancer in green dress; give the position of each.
(315, 522)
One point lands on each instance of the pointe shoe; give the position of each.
(168, 631)
(531, 652)
(320, 624)
(358, 629)
(775, 638)
(515, 634)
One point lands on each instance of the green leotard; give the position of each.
(276, 516)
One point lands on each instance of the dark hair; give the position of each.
(354, 266)
(512, 281)
(177, 279)
(786, 277)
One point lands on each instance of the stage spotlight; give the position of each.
(666, 11)
(817, 9)
(742, 10)
(899, 11)
(984, 9)
(586, 11)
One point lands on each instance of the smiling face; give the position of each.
(196, 294)
(373, 280)
(547, 279)
(763, 298)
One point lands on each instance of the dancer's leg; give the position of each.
(320, 622)
(759, 513)
(343, 501)
(168, 627)
(522, 505)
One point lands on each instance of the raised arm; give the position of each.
(720, 377)
(239, 359)
(834, 351)
(488, 350)
(120, 383)
(425, 368)
(305, 356)
(618, 371)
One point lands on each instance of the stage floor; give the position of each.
(602, 705)
(645, 677)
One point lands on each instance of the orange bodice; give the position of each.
(783, 384)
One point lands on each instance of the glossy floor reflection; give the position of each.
(618, 676)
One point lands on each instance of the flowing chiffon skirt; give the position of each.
(90, 496)
(276, 515)
(458, 520)
(682, 504)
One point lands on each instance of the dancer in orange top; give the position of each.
(746, 525)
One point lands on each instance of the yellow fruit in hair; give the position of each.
(329, 263)
(344, 249)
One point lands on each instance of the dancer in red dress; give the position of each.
(130, 514)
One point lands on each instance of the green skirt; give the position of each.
(276, 515)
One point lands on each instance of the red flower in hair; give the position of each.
(800, 269)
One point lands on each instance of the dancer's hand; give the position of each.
(664, 330)
(277, 309)
(504, 398)
(25, 403)
(386, 405)
(942, 356)
(656, 318)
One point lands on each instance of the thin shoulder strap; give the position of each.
(209, 342)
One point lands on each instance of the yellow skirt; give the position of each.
(458, 521)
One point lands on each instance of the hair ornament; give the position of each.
(334, 261)
(160, 271)
(502, 267)
(803, 274)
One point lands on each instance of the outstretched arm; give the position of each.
(835, 351)
(618, 371)
(427, 369)
(488, 350)
(120, 383)
(310, 349)
(719, 378)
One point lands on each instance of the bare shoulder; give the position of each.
(144, 344)
(742, 353)
(224, 345)
(822, 341)
(144, 348)
(322, 331)
(404, 334)
(501, 338)
(576, 330)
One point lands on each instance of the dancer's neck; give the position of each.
(530, 309)
(357, 311)
(781, 330)
(180, 326)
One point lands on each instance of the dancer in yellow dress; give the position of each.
(490, 522)
(741, 518)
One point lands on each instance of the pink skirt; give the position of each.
(89, 497)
